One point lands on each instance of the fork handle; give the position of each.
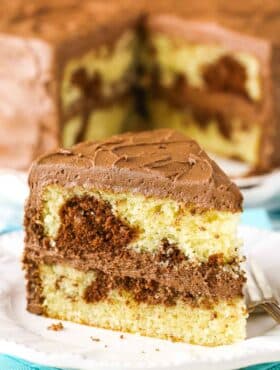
(273, 309)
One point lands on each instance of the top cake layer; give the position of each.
(161, 163)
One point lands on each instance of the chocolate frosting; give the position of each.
(161, 163)
(252, 17)
(57, 21)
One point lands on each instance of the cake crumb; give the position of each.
(122, 336)
(95, 339)
(56, 326)
(157, 349)
(214, 315)
(106, 346)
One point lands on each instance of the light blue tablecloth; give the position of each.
(270, 366)
(13, 363)
(10, 220)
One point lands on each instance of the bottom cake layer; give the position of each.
(235, 140)
(65, 295)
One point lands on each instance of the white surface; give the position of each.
(25, 335)
(13, 186)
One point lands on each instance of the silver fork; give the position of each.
(259, 293)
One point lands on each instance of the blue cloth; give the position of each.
(274, 218)
(268, 366)
(256, 218)
(11, 215)
(14, 363)
(11, 220)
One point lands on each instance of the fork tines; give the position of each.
(259, 292)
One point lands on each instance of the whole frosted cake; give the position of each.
(136, 233)
(86, 70)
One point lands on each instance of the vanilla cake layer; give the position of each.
(100, 123)
(104, 123)
(65, 296)
(197, 235)
(238, 140)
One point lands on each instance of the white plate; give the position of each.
(25, 335)
(258, 191)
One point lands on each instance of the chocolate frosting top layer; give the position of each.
(161, 163)
(55, 20)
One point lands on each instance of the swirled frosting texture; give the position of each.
(161, 163)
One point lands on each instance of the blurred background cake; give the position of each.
(73, 71)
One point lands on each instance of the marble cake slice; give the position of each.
(136, 233)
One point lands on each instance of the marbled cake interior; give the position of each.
(138, 264)
(96, 91)
(205, 66)
(197, 235)
(206, 91)
(231, 138)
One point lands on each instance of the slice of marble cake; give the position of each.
(136, 233)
